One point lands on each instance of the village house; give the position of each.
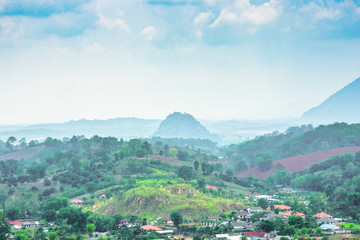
(243, 226)
(327, 220)
(329, 227)
(227, 237)
(254, 209)
(31, 224)
(266, 197)
(77, 202)
(288, 214)
(151, 228)
(282, 208)
(166, 232)
(167, 220)
(211, 221)
(102, 196)
(322, 214)
(287, 190)
(214, 218)
(269, 215)
(211, 187)
(15, 225)
(242, 214)
(124, 223)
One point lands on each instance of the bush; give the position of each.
(49, 191)
(47, 182)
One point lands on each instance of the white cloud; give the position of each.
(113, 23)
(65, 51)
(6, 25)
(333, 11)
(210, 2)
(2, 4)
(259, 15)
(243, 12)
(199, 34)
(327, 13)
(94, 47)
(225, 17)
(203, 18)
(149, 32)
(320, 13)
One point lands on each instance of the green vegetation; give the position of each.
(182, 125)
(161, 199)
(295, 141)
(142, 181)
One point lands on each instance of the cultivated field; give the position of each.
(298, 163)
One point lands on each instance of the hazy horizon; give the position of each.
(217, 60)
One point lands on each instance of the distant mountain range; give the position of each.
(343, 106)
(118, 127)
(182, 125)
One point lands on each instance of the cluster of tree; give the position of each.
(182, 142)
(296, 226)
(338, 177)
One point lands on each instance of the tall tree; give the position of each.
(4, 228)
(176, 218)
(3, 197)
(196, 165)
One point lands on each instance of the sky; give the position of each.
(64, 60)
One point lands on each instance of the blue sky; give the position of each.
(216, 59)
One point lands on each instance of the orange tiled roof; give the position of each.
(211, 187)
(150, 227)
(281, 207)
(288, 214)
(322, 214)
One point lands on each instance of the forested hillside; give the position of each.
(295, 141)
(338, 177)
(182, 125)
(80, 167)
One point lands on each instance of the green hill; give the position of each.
(294, 142)
(158, 201)
(182, 125)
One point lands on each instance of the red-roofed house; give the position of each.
(322, 214)
(151, 227)
(282, 208)
(167, 220)
(211, 187)
(288, 214)
(15, 225)
(77, 202)
(257, 234)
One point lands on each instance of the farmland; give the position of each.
(298, 163)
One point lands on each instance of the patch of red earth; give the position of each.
(298, 163)
(26, 154)
(168, 160)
